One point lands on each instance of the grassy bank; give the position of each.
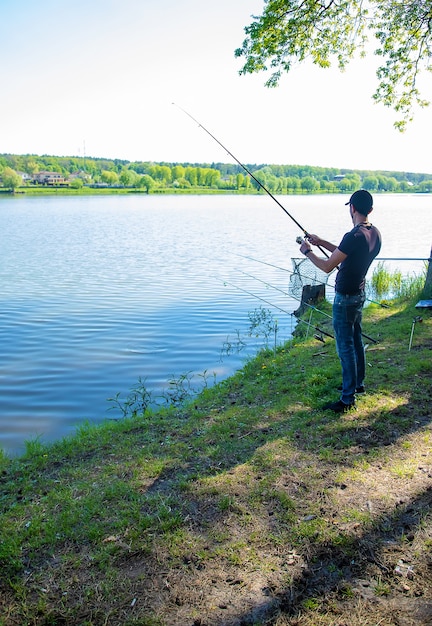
(67, 191)
(94, 191)
(251, 505)
(45, 190)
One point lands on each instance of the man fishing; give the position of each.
(352, 257)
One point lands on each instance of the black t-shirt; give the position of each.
(361, 245)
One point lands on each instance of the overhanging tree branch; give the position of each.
(289, 31)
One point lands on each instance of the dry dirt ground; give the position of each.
(385, 579)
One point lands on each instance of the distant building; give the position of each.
(49, 178)
(26, 177)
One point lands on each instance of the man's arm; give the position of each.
(326, 265)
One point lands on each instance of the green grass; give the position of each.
(250, 479)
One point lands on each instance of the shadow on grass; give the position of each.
(335, 570)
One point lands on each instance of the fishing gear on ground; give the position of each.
(319, 331)
(311, 306)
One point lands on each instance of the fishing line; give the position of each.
(319, 330)
(285, 293)
(277, 267)
(226, 282)
(259, 183)
(284, 269)
(313, 308)
(243, 256)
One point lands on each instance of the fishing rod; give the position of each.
(313, 308)
(319, 330)
(258, 182)
(284, 269)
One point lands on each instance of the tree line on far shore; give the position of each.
(76, 172)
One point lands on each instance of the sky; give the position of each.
(98, 78)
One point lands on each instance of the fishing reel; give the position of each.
(299, 240)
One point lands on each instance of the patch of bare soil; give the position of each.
(381, 575)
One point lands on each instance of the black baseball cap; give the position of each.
(362, 201)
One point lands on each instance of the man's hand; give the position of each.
(305, 248)
(314, 240)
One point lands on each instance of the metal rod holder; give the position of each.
(415, 320)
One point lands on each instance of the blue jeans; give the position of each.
(347, 319)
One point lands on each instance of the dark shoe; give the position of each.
(360, 389)
(338, 406)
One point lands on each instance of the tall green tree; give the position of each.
(370, 183)
(290, 31)
(128, 177)
(309, 184)
(191, 175)
(178, 171)
(211, 177)
(11, 180)
(161, 173)
(109, 177)
(146, 182)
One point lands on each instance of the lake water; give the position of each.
(99, 291)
